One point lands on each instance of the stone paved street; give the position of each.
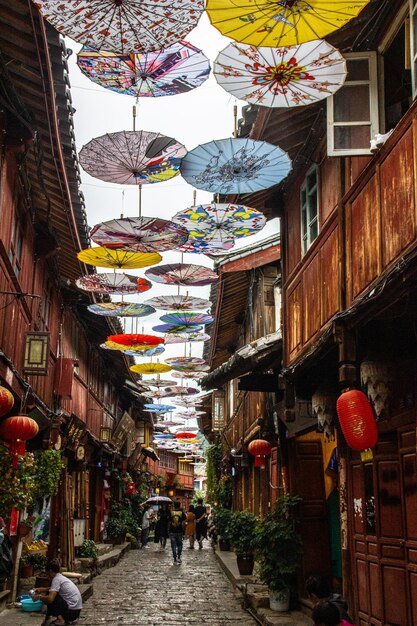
(146, 589)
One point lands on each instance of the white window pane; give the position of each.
(352, 137)
(351, 104)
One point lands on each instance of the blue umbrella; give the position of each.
(235, 166)
(159, 408)
(151, 352)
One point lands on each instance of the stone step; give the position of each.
(86, 591)
(4, 599)
(103, 548)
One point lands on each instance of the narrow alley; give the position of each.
(146, 589)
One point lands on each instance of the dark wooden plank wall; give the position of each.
(361, 235)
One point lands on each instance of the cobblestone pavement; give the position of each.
(146, 589)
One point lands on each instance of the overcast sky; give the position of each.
(199, 116)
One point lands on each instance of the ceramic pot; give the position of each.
(245, 564)
(26, 571)
(224, 544)
(279, 600)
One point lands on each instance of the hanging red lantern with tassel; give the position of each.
(259, 448)
(6, 401)
(357, 420)
(16, 430)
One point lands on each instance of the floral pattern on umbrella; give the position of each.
(213, 245)
(183, 337)
(114, 284)
(132, 157)
(121, 309)
(185, 360)
(141, 234)
(195, 375)
(178, 303)
(176, 328)
(182, 274)
(123, 26)
(191, 368)
(281, 77)
(281, 22)
(219, 221)
(118, 259)
(158, 382)
(159, 408)
(187, 319)
(140, 348)
(173, 70)
(235, 166)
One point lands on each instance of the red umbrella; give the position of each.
(185, 436)
(135, 340)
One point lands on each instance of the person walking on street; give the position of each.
(146, 525)
(176, 531)
(190, 528)
(161, 526)
(200, 522)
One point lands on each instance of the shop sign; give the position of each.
(124, 429)
(76, 430)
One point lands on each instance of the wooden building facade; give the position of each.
(244, 354)
(349, 246)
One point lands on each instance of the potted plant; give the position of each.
(278, 547)
(222, 519)
(88, 550)
(116, 530)
(242, 535)
(25, 526)
(38, 563)
(26, 569)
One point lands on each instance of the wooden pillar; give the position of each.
(87, 502)
(348, 376)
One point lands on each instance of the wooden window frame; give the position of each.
(413, 45)
(372, 58)
(306, 240)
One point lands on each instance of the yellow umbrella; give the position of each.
(281, 22)
(112, 345)
(150, 368)
(106, 257)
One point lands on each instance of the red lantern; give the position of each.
(16, 430)
(131, 489)
(357, 420)
(259, 448)
(6, 401)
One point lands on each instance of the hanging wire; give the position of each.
(235, 121)
(140, 200)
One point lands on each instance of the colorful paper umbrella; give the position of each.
(104, 257)
(191, 368)
(238, 166)
(185, 360)
(140, 234)
(281, 77)
(213, 246)
(182, 274)
(187, 319)
(171, 422)
(135, 339)
(132, 157)
(178, 391)
(188, 416)
(121, 309)
(119, 26)
(153, 351)
(178, 303)
(281, 22)
(159, 408)
(150, 368)
(221, 221)
(115, 284)
(174, 70)
(176, 328)
(194, 375)
(138, 350)
(185, 401)
(158, 382)
(183, 337)
(185, 435)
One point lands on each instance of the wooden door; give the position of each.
(307, 481)
(383, 514)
